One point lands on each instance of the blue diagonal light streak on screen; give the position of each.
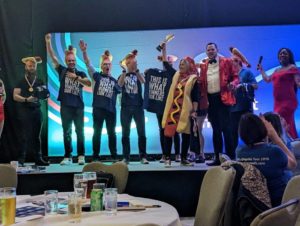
(59, 46)
(52, 75)
(52, 90)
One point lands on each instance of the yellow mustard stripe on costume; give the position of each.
(177, 105)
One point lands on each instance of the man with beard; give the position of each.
(71, 100)
(30, 114)
(105, 93)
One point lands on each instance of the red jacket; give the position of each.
(227, 75)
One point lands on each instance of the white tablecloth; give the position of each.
(166, 215)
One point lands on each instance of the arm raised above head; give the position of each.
(50, 50)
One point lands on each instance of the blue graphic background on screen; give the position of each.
(252, 41)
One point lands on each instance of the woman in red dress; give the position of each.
(2, 100)
(286, 80)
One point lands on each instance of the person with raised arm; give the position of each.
(272, 159)
(285, 80)
(70, 96)
(156, 91)
(105, 93)
(131, 81)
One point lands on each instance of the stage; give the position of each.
(178, 185)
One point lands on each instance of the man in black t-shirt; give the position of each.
(70, 97)
(105, 93)
(132, 106)
(30, 114)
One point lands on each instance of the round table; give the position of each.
(166, 215)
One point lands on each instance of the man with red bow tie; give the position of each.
(218, 79)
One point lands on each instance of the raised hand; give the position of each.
(272, 134)
(82, 45)
(259, 67)
(48, 37)
(124, 68)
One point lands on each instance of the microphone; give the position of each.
(259, 61)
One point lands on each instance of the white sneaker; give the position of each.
(144, 161)
(177, 158)
(66, 161)
(168, 163)
(163, 159)
(81, 160)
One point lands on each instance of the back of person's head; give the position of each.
(252, 129)
(274, 119)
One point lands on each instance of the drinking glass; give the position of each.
(91, 179)
(80, 182)
(110, 200)
(51, 202)
(74, 207)
(7, 205)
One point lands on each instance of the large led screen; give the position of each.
(252, 41)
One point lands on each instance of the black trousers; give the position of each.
(219, 117)
(99, 116)
(137, 114)
(68, 116)
(176, 137)
(235, 121)
(185, 144)
(31, 125)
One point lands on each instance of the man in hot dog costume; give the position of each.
(218, 79)
(182, 103)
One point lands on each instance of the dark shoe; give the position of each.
(185, 162)
(41, 162)
(214, 163)
(199, 159)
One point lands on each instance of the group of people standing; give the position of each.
(181, 99)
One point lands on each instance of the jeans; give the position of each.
(69, 115)
(99, 116)
(31, 125)
(137, 114)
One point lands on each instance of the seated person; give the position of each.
(271, 159)
(293, 144)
